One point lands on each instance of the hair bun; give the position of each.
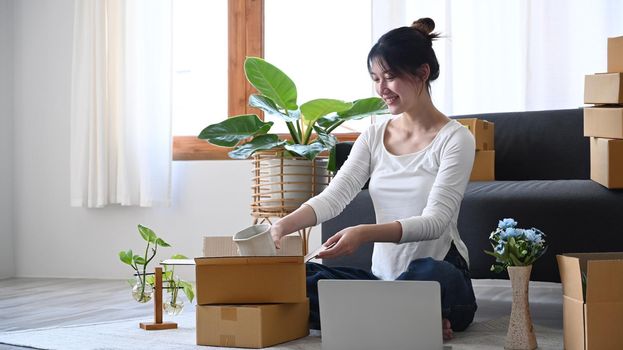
(425, 25)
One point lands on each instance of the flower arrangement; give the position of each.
(514, 246)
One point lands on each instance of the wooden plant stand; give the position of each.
(158, 324)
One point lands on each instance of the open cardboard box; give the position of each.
(592, 317)
(251, 326)
(224, 277)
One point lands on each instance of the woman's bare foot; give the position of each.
(446, 329)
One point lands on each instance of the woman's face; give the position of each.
(400, 93)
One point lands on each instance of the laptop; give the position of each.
(361, 315)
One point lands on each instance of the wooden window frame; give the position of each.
(245, 32)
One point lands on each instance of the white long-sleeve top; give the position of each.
(422, 191)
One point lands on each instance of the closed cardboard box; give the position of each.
(484, 166)
(251, 326)
(606, 88)
(615, 55)
(592, 287)
(242, 280)
(603, 122)
(482, 130)
(607, 162)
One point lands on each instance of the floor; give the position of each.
(27, 303)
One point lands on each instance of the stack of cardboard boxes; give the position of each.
(592, 283)
(603, 123)
(484, 162)
(250, 302)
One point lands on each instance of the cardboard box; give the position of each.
(242, 280)
(251, 326)
(615, 55)
(607, 162)
(484, 166)
(215, 246)
(592, 319)
(604, 88)
(482, 130)
(603, 122)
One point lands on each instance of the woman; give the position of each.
(418, 163)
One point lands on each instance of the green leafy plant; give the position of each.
(277, 96)
(514, 246)
(139, 263)
(174, 283)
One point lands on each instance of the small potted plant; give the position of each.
(174, 305)
(141, 288)
(515, 250)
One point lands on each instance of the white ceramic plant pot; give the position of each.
(294, 186)
(255, 241)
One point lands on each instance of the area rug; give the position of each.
(127, 335)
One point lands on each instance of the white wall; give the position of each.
(7, 266)
(53, 239)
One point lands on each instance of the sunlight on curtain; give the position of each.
(121, 103)
(513, 55)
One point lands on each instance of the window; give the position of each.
(319, 57)
(199, 64)
(322, 45)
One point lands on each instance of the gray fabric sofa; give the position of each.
(542, 170)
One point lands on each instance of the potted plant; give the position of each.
(515, 250)
(173, 305)
(287, 171)
(277, 96)
(141, 288)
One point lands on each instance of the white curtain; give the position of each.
(121, 103)
(512, 55)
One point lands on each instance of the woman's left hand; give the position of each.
(342, 243)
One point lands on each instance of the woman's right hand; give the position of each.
(276, 233)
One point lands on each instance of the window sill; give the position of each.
(192, 148)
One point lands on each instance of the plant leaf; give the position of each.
(328, 121)
(271, 82)
(146, 233)
(267, 105)
(139, 260)
(259, 143)
(231, 131)
(188, 290)
(179, 256)
(126, 257)
(162, 243)
(316, 109)
(151, 279)
(328, 140)
(332, 164)
(308, 151)
(364, 108)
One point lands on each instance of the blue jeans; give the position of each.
(458, 303)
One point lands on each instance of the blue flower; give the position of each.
(510, 232)
(506, 223)
(532, 236)
(500, 248)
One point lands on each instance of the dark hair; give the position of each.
(403, 50)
